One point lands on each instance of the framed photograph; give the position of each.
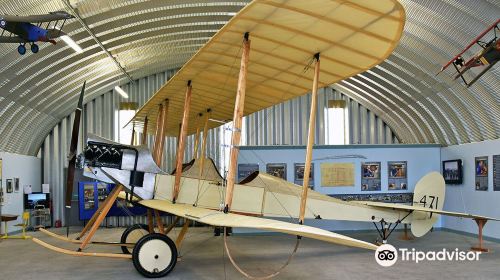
(298, 171)
(277, 170)
(370, 176)
(370, 170)
(245, 169)
(496, 173)
(398, 175)
(397, 169)
(481, 166)
(452, 171)
(8, 185)
(1, 193)
(481, 172)
(16, 184)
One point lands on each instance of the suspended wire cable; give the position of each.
(269, 276)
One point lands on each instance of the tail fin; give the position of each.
(429, 193)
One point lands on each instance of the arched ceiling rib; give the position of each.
(147, 37)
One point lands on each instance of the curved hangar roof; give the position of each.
(146, 37)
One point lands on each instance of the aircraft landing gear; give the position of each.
(21, 49)
(154, 255)
(385, 229)
(34, 48)
(132, 234)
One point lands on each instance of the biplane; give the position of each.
(22, 30)
(284, 47)
(487, 56)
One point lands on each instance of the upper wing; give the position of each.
(12, 39)
(53, 16)
(351, 36)
(422, 209)
(217, 218)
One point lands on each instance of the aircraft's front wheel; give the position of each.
(132, 234)
(21, 49)
(34, 48)
(154, 255)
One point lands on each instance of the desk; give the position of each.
(7, 218)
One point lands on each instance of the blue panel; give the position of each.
(89, 198)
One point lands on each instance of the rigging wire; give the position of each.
(269, 276)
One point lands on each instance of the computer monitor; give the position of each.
(36, 199)
(452, 171)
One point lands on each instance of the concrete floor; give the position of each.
(202, 258)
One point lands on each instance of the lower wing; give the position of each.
(218, 218)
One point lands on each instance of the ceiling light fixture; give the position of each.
(71, 43)
(121, 92)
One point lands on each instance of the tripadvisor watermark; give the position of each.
(386, 255)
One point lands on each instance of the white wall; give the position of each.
(464, 197)
(28, 170)
(421, 159)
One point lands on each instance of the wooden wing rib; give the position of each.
(410, 208)
(217, 218)
(352, 36)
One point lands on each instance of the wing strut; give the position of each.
(310, 140)
(161, 129)
(237, 121)
(182, 141)
(197, 136)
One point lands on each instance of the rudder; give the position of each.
(429, 193)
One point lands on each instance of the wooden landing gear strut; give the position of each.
(100, 217)
(480, 224)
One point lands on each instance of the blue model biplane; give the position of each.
(28, 29)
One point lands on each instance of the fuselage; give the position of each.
(26, 31)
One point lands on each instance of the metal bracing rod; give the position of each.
(87, 28)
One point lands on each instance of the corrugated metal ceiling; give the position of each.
(146, 37)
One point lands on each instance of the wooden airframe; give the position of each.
(281, 44)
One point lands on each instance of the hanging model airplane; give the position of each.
(22, 30)
(487, 56)
(279, 42)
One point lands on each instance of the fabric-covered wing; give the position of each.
(217, 218)
(351, 37)
(410, 208)
(12, 39)
(54, 16)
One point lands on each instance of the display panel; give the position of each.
(452, 171)
(277, 170)
(88, 197)
(16, 184)
(398, 177)
(8, 185)
(481, 171)
(298, 171)
(337, 174)
(370, 176)
(496, 173)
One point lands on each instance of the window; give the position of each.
(122, 117)
(336, 123)
(226, 133)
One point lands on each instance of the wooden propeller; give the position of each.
(72, 154)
